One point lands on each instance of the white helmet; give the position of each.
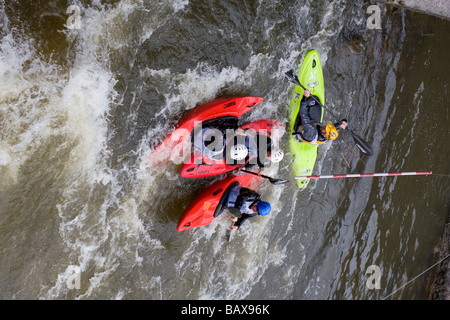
(238, 152)
(277, 155)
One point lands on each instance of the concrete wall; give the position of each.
(441, 287)
(439, 8)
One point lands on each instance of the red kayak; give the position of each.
(172, 145)
(206, 167)
(211, 202)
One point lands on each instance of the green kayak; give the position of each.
(304, 154)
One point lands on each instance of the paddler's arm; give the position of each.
(235, 213)
(245, 194)
(238, 223)
(341, 124)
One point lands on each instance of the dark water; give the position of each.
(81, 109)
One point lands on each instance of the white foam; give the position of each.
(28, 103)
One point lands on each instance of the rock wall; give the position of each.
(441, 287)
(439, 8)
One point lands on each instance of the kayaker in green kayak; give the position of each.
(311, 132)
(243, 204)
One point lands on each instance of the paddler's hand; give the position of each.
(343, 125)
(234, 219)
(233, 228)
(307, 93)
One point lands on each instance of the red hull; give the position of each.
(202, 209)
(195, 170)
(222, 107)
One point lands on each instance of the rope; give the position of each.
(384, 298)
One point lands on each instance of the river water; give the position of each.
(82, 108)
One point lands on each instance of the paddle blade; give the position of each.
(290, 77)
(228, 235)
(274, 181)
(278, 181)
(363, 145)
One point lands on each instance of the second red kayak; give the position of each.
(198, 167)
(212, 201)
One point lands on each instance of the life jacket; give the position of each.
(247, 200)
(318, 139)
(232, 196)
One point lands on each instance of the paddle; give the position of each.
(272, 180)
(228, 234)
(363, 145)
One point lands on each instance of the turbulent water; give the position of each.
(82, 108)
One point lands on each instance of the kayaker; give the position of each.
(211, 142)
(209, 138)
(313, 132)
(256, 143)
(243, 204)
